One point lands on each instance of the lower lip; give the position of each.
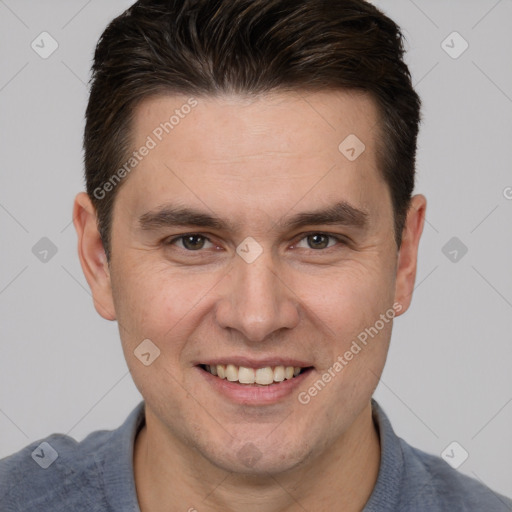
(255, 395)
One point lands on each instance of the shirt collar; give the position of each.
(118, 476)
(385, 494)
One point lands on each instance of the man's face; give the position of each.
(247, 237)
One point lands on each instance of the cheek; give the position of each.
(350, 299)
(163, 307)
(154, 302)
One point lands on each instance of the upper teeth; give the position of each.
(244, 375)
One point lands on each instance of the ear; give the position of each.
(408, 254)
(92, 256)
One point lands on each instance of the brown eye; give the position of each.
(193, 242)
(318, 241)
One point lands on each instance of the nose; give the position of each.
(256, 301)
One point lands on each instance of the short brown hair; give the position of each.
(211, 47)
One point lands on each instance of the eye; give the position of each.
(317, 241)
(191, 242)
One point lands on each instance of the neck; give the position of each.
(170, 476)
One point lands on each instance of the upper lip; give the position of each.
(256, 363)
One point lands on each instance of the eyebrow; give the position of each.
(341, 213)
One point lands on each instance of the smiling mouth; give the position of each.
(254, 376)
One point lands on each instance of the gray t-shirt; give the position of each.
(58, 474)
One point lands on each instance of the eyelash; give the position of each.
(339, 240)
(182, 237)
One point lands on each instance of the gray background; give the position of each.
(448, 375)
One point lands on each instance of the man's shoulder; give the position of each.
(438, 483)
(411, 480)
(54, 472)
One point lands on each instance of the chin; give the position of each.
(258, 457)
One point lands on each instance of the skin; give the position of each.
(254, 162)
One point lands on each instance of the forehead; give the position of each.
(233, 126)
(269, 150)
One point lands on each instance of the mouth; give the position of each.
(247, 376)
